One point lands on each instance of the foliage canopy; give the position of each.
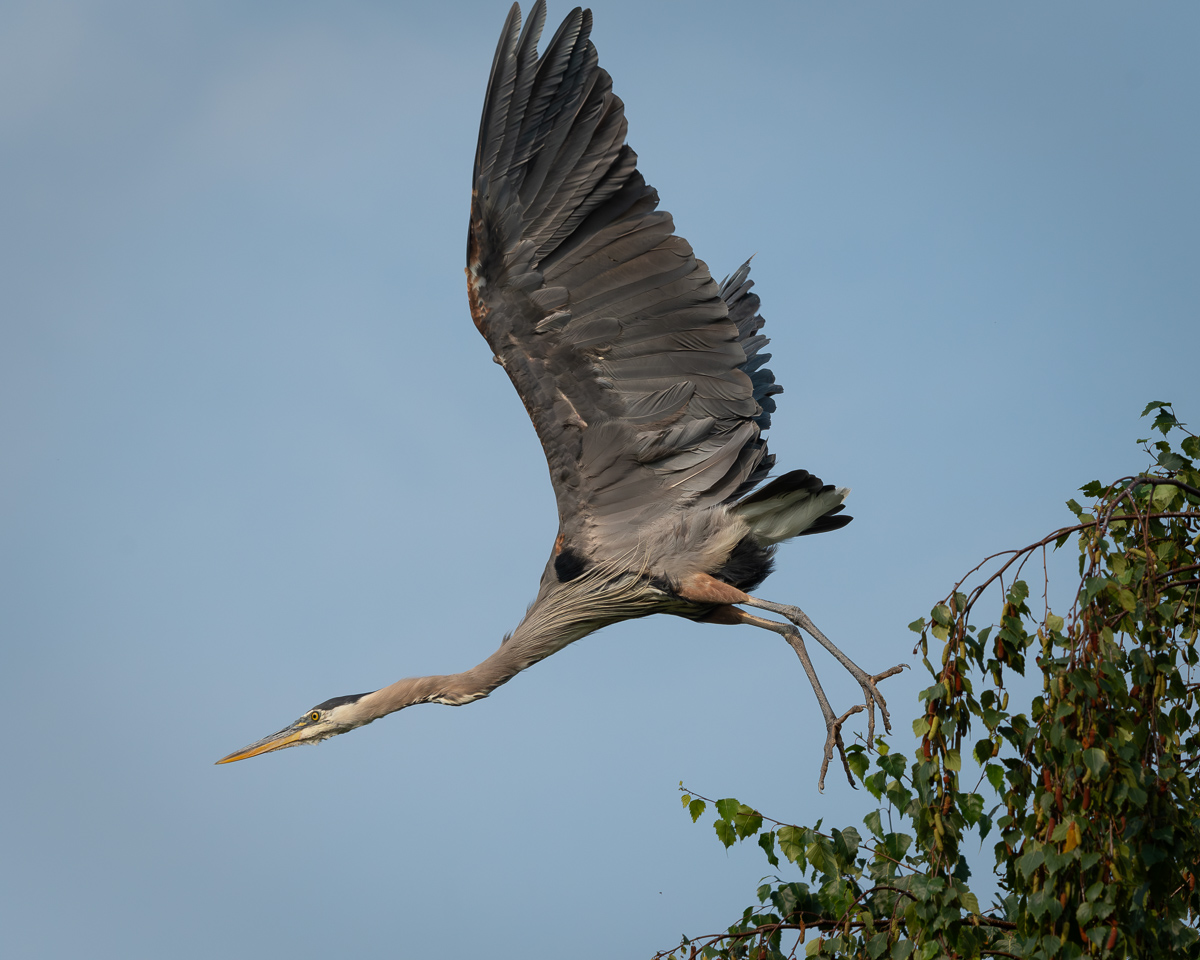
(1092, 791)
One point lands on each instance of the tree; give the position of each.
(1092, 791)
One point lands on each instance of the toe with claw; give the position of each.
(872, 696)
(833, 738)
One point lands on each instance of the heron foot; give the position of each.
(871, 694)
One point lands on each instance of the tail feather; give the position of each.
(793, 505)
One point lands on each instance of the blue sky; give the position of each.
(255, 454)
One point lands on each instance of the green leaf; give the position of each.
(819, 853)
(696, 809)
(970, 901)
(1191, 446)
(791, 842)
(920, 726)
(1044, 905)
(1055, 861)
(874, 822)
(813, 947)
(858, 762)
(894, 764)
(972, 807)
(1155, 405)
(848, 842)
(1030, 862)
(1095, 761)
(1092, 586)
(1164, 493)
(953, 761)
(917, 625)
(727, 809)
(767, 842)
(897, 844)
(787, 897)
(747, 821)
(725, 832)
(1054, 622)
(932, 693)
(1165, 420)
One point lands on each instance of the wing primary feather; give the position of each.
(555, 101)
(524, 61)
(499, 91)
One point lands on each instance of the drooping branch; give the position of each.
(1063, 532)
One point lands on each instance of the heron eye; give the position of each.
(314, 716)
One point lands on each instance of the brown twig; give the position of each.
(975, 594)
(1165, 481)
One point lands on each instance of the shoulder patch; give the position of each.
(568, 565)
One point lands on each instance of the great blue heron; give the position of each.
(644, 380)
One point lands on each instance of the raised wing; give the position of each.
(642, 377)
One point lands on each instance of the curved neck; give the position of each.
(542, 632)
(453, 689)
(562, 614)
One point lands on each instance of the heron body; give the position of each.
(644, 379)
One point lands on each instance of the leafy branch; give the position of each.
(1093, 788)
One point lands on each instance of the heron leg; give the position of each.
(871, 693)
(833, 724)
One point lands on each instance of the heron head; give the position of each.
(323, 721)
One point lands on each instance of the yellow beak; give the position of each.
(287, 737)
